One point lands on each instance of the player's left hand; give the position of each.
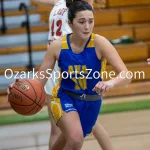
(102, 87)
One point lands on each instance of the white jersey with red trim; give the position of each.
(58, 26)
(58, 21)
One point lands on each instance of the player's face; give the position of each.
(83, 24)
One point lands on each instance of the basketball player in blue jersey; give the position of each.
(59, 5)
(77, 104)
(98, 131)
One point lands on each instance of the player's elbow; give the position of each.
(128, 77)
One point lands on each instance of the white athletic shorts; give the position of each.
(52, 81)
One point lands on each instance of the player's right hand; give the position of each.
(10, 87)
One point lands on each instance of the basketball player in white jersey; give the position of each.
(58, 26)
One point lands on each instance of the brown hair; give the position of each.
(76, 6)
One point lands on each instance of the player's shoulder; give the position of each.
(100, 39)
(55, 47)
(56, 44)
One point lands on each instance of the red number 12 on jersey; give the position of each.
(58, 31)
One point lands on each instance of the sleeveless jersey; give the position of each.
(58, 21)
(80, 72)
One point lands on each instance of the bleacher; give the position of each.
(116, 20)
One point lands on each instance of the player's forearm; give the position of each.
(43, 74)
(46, 2)
(122, 78)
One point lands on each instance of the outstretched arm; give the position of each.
(46, 2)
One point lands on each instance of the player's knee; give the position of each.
(75, 140)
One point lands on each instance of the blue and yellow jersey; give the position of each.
(80, 72)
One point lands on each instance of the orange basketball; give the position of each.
(27, 97)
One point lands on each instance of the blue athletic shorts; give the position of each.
(88, 110)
